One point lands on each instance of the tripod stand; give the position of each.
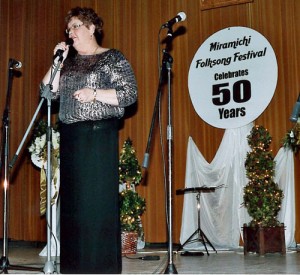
(201, 237)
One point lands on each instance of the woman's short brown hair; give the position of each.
(88, 16)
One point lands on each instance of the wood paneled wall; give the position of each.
(31, 28)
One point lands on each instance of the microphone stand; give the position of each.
(4, 261)
(49, 267)
(45, 94)
(168, 61)
(166, 66)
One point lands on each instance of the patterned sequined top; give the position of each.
(108, 70)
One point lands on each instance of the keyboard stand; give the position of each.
(201, 237)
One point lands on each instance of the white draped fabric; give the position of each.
(286, 181)
(222, 213)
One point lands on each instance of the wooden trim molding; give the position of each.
(211, 4)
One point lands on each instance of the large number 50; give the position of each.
(241, 92)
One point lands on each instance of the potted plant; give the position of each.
(262, 197)
(132, 205)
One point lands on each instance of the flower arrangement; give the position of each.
(38, 146)
(262, 196)
(38, 151)
(292, 139)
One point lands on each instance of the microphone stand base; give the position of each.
(5, 266)
(49, 268)
(171, 269)
(4, 263)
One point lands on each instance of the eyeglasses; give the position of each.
(73, 27)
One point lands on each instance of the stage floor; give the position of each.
(222, 262)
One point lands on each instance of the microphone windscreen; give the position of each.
(182, 15)
(296, 111)
(69, 41)
(295, 114)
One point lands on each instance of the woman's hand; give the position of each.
(84, 95)
(61, 46)
(65, 48)
(108, 96)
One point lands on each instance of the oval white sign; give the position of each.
(232, 77)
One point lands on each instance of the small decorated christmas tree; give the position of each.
(262, 196)
(129, 168)
(132, 205)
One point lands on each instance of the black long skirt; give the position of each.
(90, 224)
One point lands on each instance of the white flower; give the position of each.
(31, 148)
(55, 139)
(40, 143)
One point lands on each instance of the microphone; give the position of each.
(181, 16)
(296, 111)
(15, 63)
(60, 52)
